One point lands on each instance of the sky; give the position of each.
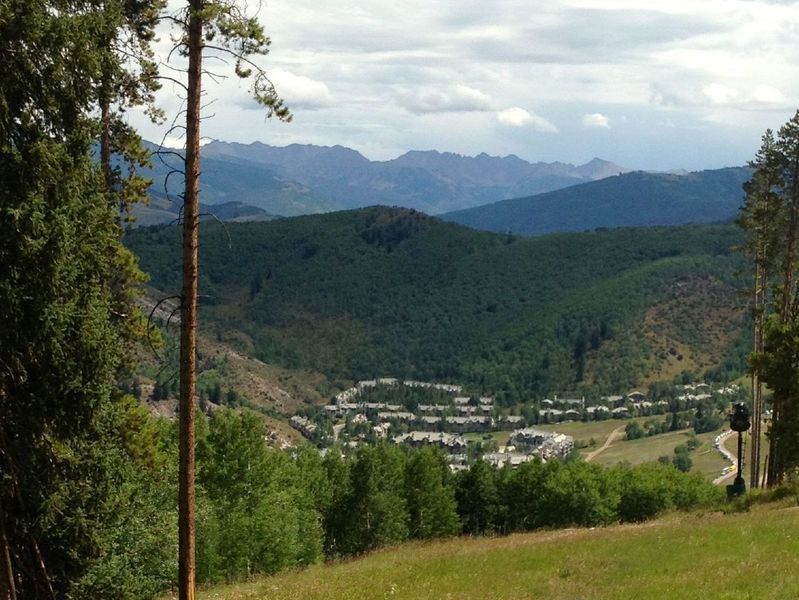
(650, 84)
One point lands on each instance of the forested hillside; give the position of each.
(628, 200)
(378, 291)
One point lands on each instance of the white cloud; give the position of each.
(369, 65)
(596, 120)
(765, 94)
(454, 98)
(718, 93)
(519, 117)
(299, 90)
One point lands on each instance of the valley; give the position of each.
(297, 310)
(358, 294)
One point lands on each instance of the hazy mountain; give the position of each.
(381, 291)
(430, 181)
(630, 199)
(163, 210)
(234, 180)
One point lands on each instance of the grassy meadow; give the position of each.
(707, 460)
(741, 556)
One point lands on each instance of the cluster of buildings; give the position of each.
(426, 417)
(524, 445)
(305, 426)
(441, 424)
(350, 395)
(461, 415)
(633, 404)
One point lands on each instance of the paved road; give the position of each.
(724, 477)
(613, 435)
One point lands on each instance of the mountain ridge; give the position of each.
(637, 198)
(426, 180)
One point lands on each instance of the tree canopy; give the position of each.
(66, 312)
(770, 219)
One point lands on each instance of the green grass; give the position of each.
(707, 460)
(741, 556)
(599, 430)
(501, 437)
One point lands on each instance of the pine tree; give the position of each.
(759, 217)
(219, 26)
(770, 217)
(65, 311)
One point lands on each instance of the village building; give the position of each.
(552, 415)
(396, 416)
(529, 438)
(613, 401)
(558, 446)
(381, 429)
(304, 426)
(464, 424)
(511, 459)
(510, 421)
(452, 444)
(428, 423)
(570, 402)
(547, 444)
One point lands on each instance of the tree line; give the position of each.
(770, 219)
(261, 510)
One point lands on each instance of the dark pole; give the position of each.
(739, 480)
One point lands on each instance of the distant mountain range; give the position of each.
(631, 199)
(508, 194)
(236, 180)
(304, 179)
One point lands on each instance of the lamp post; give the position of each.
(739, 421)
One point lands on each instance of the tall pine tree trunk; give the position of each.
(777, 450)
(188, 323)
(757, 346)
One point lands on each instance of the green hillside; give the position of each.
(628, 200)
(690, 557)
(381, 291)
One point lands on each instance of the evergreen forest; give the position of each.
(387, 291)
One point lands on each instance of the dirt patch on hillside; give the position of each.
(694, 327)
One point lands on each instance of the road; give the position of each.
(611, 437)
(724, 477)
